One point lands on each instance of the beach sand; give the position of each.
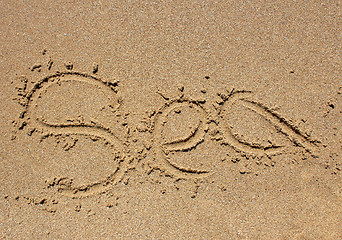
(170, 120)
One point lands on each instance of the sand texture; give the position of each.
(170, 120)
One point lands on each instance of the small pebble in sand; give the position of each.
(95, 68)
(69, 65)
(78, 207)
